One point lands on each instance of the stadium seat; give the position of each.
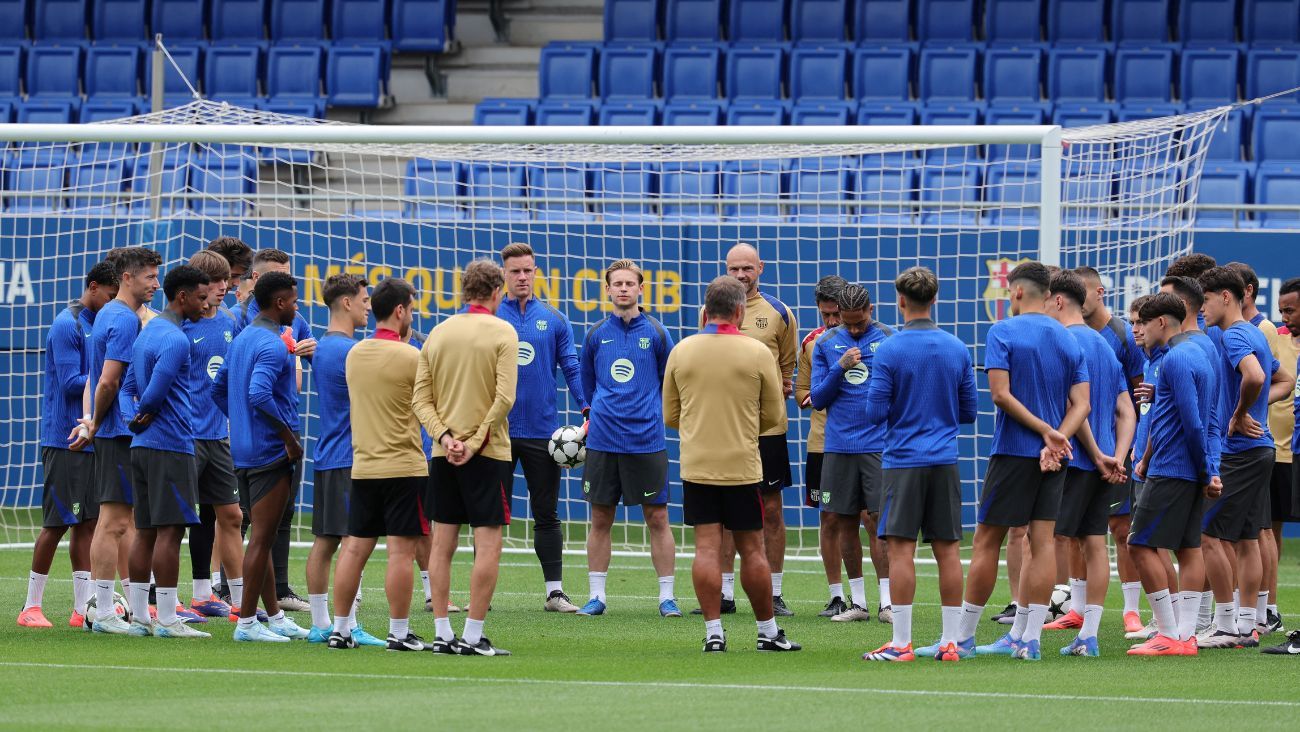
(623, 112)
(1139, 20)
(946, 189)
(695, 113)
(817, 73)
(632, 21)
(690, 180)
(223, 184)
(178, 20)
(1150, 193)
(1083, 115)
(951, 114)
(53, 71)
(945, 20)
(627, 72)
(886, 114)
(1229, 138)
(1013, 21)
(822, 113)
(297, 20)
(1017, 190)
(755, 180)
(564, 112)
(6, 112)
(1013, 115)
(756, 112)
(756, 21)
(1087, 181)
(497, 180)
(11, 71)
(1076, 21)
(881, 74)
(238, 21)
(501, 111)
(437, 181)
(1208, 78)
(174, 173)
(422, 25)
(35, 171)
(754, 72)
(693, 21)
(1270, 21)
(820, 179)
(359, 21)
(818, 21)
(1143, 76)
(1201, 21)
(1269, 72)
(1013, 75)
(350, 76)
(882, 21)
(1076, 74)
(112, 71)
(1276, 134)
(885, 195)
(293, 73)
(51, 112)
(188, 59)
(14, 17)
(98, 175)
(1223, 184)
(946, 75)
(231, 72)
(99, 110)
(119, 21)
(691, 72)
(566, 72)
(635, 181)
(59, 21)
(308, 109)
(1154, 110)
(1278, 184)
(550, 185)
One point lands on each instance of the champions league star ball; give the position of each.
(119, 605)
(568, 447)
(1060, 603)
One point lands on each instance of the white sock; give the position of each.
(951, 624)
(1261, 606)
(126, 588)
(104, 599)
(728, 586)
(1225, 617)
(1246, 620)
(1078, 594)
(554, 587)
(81, 589)
(216, 578)
(1021, 622)
(1091, 621)
(424, 580)
(166, 605)
(138, 599)
(1272, 609)
(1131, 591)
(473, 631)
(1205, 614)
(970, 620)
(776, 583)
(277, 618)
(666, 588)
(903, 625)
(442, 628)
(1034, 626)
(1162, 607)
(1236, 598)
(767, 628)
(360, 582)
(202, 589)
(1191, 609)
(597, 582)
(837, 590)
(247, 624)
(858, 590)
(35, 589)
(399, 627)
(1174, 599)
(713, 628)
(320, 610)
(885, 600)
(342, 626)
(236, 585)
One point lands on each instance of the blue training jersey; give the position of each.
(1043, 361)
(1119, 336)
(210, 340)
(161, 365)
(1150, 373)
(622, 371)
(843, 393)
(922, 388)
(256, 386)
(1106, 382)
(545, 342)
(67, 364)
(247, 311)
(116, 327)
(1181, 437)
(329, 368)
(1238, 341)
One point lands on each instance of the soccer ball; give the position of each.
(1060, 603)
(119, 605)
(568, 447)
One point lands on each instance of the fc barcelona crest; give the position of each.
(760, 323)
(541, 325)
(645, 344)
(997, 294)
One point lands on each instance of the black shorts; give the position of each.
(113, 475)
(427, 495)
(475, 493)
(66, 499)
(637, 478)
(1085, 504)
(166, 488)
(387, 507)
(1121, 496)
(851, 483)
(256, 483)
(774, 451)
(1016, 492)
(329, 506)
(1168, 515)
(1281, 491)
(1236, 515)
(736, 507)
(541, 475)
(216, 471)
(812, 480)
(922, 500)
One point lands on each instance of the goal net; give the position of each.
(860, 202)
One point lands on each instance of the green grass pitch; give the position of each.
(627, 670)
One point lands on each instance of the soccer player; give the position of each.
(389, 473)
(255, 388)
(1039, 383)
(1191, 266)
(721, 392)
(851, 479)
(464, 390)
(1101, 448)
(1178, 467)
(922, 390)
(111, 341)
(1289, 306)
(623, 359)
(68, 500)
(545, 343)
(162, 454)
(829, 309)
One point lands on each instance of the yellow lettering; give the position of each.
(357, 265)
(580, 299)
(314, 283)
(422, 280)
(668, 291)
(446, 295)
(377, 274)
(547, 287)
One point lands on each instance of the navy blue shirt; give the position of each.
(67, 362)
(161, 365)
(843, 394)
(116, 327)
(1105, 383)
(622, 371)
(1131, 358)
(1186, 391)
(545, 342)
(256, 387)
(922, 388)
(1149, 376)
(209, 343)
(1238, 341)
(334, 446)
(1043, 361)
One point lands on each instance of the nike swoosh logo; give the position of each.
(651, 494)
(1116, 503)
(196, 340)
(606, 340)
(774, 483)
(840, 348)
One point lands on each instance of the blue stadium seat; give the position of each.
(350, 76)
(550, 185)
(1278, 184)
(634, 181)
(297, 20)
(14, 18)
(566, 72)
(1276, 133)
(188, 58)
(756, 21)
(950, 114)
(359, 21)
(1270, 21)
(817, 20)
(112, 71)
(120, 21)
(1083, 115)
(622, 112)
(1013, 75)
(53, 71)
(422, 25)
(691, 72)
(945, 20)
(1017, 188)
(632, 21)
(565, 112)
(224, 183)
(439, 181)
(174, 172)
(178, 20)
(1076, 74)
(238, 21)
(497, 180)
(1150, 193)
(820, 179)
(1144, 75)
(886, 114)
(757, 112)
(887, 21)
(59, 20)
(98, 175)
(817, 74)
(35, 171)
(754, 72)
(6, 112)
(52, 112)
(1224, 184)
(1269, 72)
(293, 73)
(885, 195)
(1154, 110)
(1013, 115)
(628, 72)
(1229, 138)
(881, 74)
(947, 188)
(1076, 21)
(231, 72)
(1208, 78)
(1085, 181)
(1139, 20)
(822, 113)
(947, 75)
(1013, 21)
(700, 112)
(11, 71)
(1207, 21)
(758, 181)
(306, 108)
(499, 111)
(690, 181)
(687, 21)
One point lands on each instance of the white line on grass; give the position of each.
(669, 685)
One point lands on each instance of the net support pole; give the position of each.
(1049, 227)
(155, 151)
